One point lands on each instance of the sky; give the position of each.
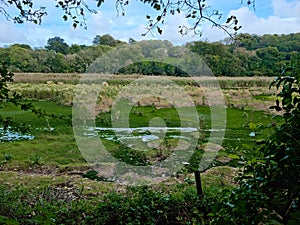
(268, 17)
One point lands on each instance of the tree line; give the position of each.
(248, 55)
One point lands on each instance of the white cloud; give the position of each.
(10, 34)
(169, 30)
(283, 8)
(270, 25)
(285, 19)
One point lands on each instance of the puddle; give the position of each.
(7, 135)
(145, 134)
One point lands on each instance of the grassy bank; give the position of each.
(45, 180)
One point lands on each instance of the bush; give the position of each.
(269, 190)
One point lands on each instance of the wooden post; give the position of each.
(198, 184)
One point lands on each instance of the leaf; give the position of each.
(287, 100)
(279, 82)
(229, 19)
(296, 100)
(285, 157)
(157, 6)
(247, 146)
(274, 82)
(252, 126)
(237, 28)
(261, 141)
(100, 3)
(233, 156)
(159, 30)
(148, 17)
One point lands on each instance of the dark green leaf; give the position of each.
(156, 6)
(159, 30)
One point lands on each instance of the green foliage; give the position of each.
(58, 45)
(5, 77)
(250, 55)
(270, 180)
(223, 58)
(139, 205)
(106, 40)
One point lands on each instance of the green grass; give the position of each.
(49, 147)
(58, 147)
(40, 183)
(69, 200)
(41, 180)
(264, 97)
(39, 123)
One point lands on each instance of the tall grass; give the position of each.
(60, 88)
(74, 78)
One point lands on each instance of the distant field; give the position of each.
(246, 92)
(74, 78)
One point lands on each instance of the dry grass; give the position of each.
(75, 77)
(158, 91)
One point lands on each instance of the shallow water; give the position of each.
(145, 134)
(7, 135)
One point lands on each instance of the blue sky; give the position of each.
(269, 17)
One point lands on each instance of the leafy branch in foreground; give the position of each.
(5, 76)
(75, 10)
(196, 12)
(269, 188)
(26, 10)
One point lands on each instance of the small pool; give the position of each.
(7, 135)
(145, 134)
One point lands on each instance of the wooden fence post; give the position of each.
(198, 184)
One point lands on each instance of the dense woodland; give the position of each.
(249, 55)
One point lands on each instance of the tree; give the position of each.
(58, 45)
(57, 62)
(4, 55)
(106, 39)
(75, 63)
(21, 59)
(25, 46)
(5, 76)
(269, 56)
(41, 56)
(218, 57)
(74, 48)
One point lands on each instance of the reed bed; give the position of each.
(61, 88)
(74, 78)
